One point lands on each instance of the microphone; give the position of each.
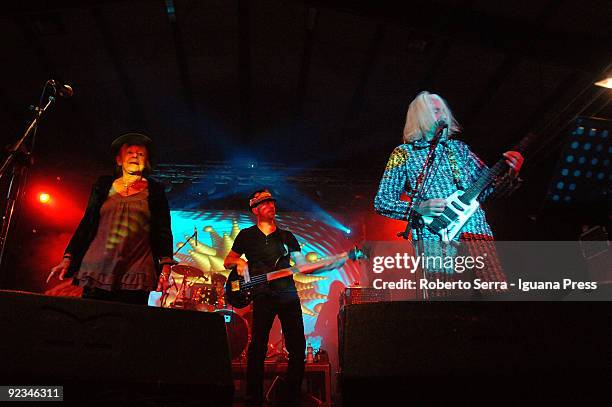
(195, 233)
(61, 89)
(441, 125)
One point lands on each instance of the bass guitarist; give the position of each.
(267, 248)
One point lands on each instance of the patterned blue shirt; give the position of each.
(455, 167)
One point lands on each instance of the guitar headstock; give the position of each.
(525, 142)
(358, 254)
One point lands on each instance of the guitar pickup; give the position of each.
(457, 206)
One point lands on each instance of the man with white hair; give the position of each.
(455, 167)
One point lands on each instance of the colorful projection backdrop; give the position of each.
(217, 230)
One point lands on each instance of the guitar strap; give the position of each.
(451, 155)
(454, 165)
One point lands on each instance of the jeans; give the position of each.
(289, 311)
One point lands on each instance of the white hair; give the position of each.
(420, 117)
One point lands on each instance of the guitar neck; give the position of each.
(307, 268)
(486, 177)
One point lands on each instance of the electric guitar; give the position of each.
(239, 293)
(461, 205)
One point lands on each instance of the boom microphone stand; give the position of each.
(164, 296)
(413, 218)
(19, 159)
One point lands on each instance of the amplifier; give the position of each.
(360, 295)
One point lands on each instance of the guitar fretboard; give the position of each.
(485, 178)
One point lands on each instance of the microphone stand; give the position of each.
(416, 222)
(413, 218)
(164, 296)
(17, 161)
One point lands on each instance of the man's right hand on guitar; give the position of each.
(241, 266)
(432, 207)
(234, 259)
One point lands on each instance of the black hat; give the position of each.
(259, 197)
(132, 139)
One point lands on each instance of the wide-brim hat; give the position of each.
(261, 197)
(132, 139)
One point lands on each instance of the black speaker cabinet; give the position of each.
(106, 353)
(443, 352)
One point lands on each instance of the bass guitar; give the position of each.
(239, 293)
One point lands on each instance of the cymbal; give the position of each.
(207, 279)
(199, 280)
(187, 271)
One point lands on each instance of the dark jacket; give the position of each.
(161, 233)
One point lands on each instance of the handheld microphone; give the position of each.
(62, 89)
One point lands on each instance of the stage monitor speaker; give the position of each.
(400, 350)
(106, 353)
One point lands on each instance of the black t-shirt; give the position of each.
(267, 253)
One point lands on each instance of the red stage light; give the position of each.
(44, 198)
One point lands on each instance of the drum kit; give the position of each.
(199, 291)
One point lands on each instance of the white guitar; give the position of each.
(461, 205)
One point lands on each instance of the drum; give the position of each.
(218, 283)
(205, 298)
(237, 332)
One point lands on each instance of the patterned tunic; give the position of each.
(120, 256)
(455, 167)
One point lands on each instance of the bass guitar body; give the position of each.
(236, 294)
